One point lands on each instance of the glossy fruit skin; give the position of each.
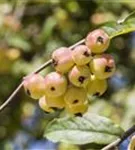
(81, 55)
(103, 66)
(62, 59)
(57, 102)
(75, 95)
(43, 105)
(79, 76)
(55, 84)
(77, 109)
(98, 41)
(34, 86)
(96, 87)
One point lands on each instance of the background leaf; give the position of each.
(90, 128)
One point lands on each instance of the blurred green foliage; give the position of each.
(30, 30)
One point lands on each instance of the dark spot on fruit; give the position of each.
(108, 69)
(81, 79)
(54, 108)
(55, 63)
(92, 54)
(46, 112)
(75, 101)
(96, 94)
(28, 92)
(78, 115)
(61, 109)
(52, 88)
(86, 53)
(100, 39)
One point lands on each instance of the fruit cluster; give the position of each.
(78, 73)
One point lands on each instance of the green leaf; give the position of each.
(90, 128)
(114, 28)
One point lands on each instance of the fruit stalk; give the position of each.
(11, 96)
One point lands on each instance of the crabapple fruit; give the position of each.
(79, 76)
(34, 86)
(75, 95)
(131, 145)
(55, 84)
(77, 109)
(96, 87)
(62, 59)
(98, 41)
(43, 105)
(81, 55)
(57, 102)
(103, 66)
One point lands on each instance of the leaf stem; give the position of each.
(46, 64)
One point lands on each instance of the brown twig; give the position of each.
(111, 145)
(11, 96)
(116, 143)
(46, 64)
